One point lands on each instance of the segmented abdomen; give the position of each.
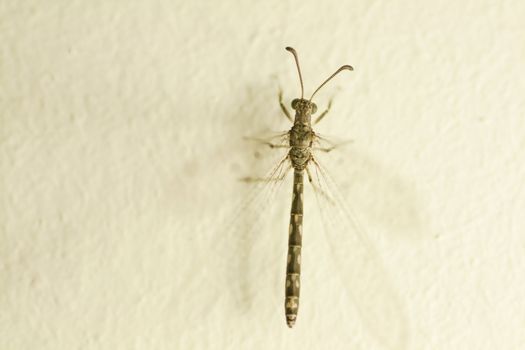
(293, 267)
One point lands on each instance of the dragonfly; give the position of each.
(360, 266)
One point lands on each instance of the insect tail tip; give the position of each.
(290, 321)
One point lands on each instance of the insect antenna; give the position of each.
(347, 67)
(294, 53)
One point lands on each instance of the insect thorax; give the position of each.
(301, 137)
(299, 157)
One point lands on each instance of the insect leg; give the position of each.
(315, 186)
(283, 107)
(267, 142)
(325, 112)
(324, 149)
(325, 145)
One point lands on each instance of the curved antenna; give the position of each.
(347, 67)
(294, 53)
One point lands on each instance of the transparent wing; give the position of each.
(360, 267)
(326, 143)
(262, 189)
(272, 139)
(244, 225)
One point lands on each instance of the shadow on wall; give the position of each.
(382, 198)
(379, 200)
(243, 212)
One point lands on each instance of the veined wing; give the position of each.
(242, 228)
(360, 267)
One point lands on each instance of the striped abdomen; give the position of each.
(293, 267)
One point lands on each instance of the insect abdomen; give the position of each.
(293, 266)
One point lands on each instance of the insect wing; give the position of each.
(360, 266)
(241, 230)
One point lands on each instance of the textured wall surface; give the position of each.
(124, 225)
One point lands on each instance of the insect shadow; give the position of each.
(241, 233)
(385, 200)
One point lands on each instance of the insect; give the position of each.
(302, 141)
(358, 268)
(300, 155)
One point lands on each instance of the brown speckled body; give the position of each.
(301, 137)
(293, 266)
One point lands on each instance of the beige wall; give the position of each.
(121, 144)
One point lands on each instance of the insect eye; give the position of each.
(294, 103)
(314, 108)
